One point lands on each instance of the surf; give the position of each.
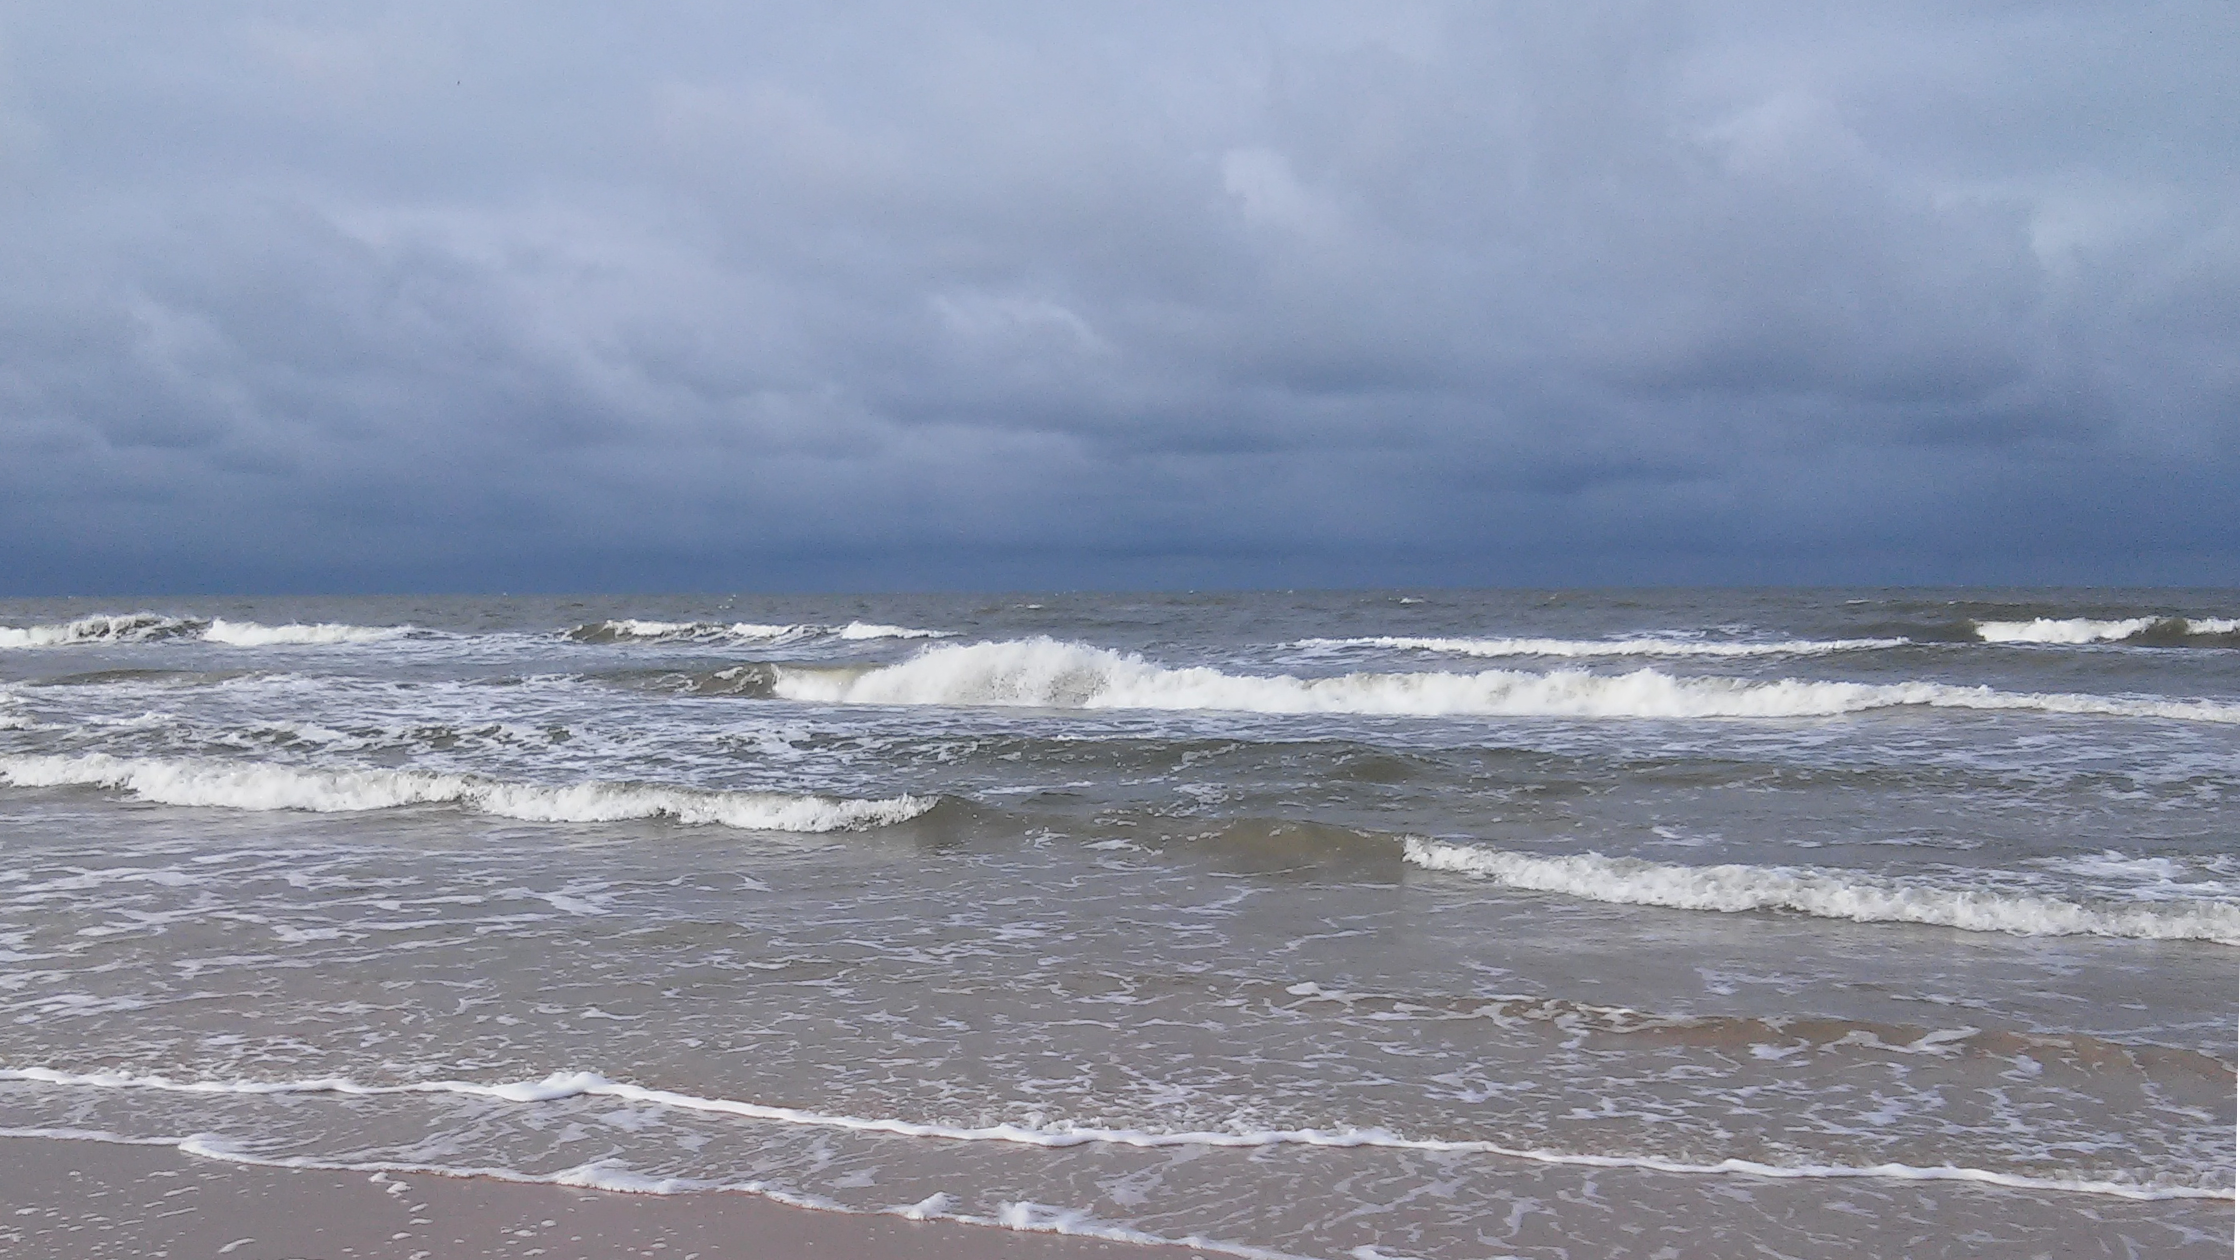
(1049, 673)
(264, 786)
(1828, 894)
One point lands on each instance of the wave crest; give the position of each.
(251, 634)
(1824, 894)
(147, 627)
(632, 630)
(1495, 647)
(257, 786)
(1053, 674)
(2074, 631)
(103, 628)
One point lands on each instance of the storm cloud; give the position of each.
(707, 296)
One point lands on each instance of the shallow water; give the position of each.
(1438, 923)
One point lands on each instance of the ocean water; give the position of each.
(1433, 924)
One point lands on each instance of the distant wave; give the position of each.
(629, 630)
(562, 1085)
(1607, 647)
(106, 628)
(1824, 894)
(2080, 630)
(250, 634)
(259, 786)
(152, 627)
(1048, 673)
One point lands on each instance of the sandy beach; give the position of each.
(89, 1200)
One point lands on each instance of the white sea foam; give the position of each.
(250, 634)
(615, 1177)
(259, 786)
(632, 628)
(563, 1085)
(147, 627)
(758, 630)
(635, 628)
(1048, 673)
(2060, 630)
(1826, 894)
(106, 628)
(1607, 647)
(2079, 630)
(873, 630)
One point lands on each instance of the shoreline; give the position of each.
(90, 1200)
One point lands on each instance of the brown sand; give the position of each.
(93, 1200)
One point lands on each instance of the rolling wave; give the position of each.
(632, 630)
(257, 786)
(153, 627)
(105, 628)
(250, 634)
(1823, 894)
(1052, 674)
(1607, 647)
(2073, 631)
(564, 1085)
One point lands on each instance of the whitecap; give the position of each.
(251, 634)
(103, 628)
(1828, 894)
(2073, 631)
(1493, 647)
(874, 630)
(2067, 630)
(259, 786)
(1049, 673)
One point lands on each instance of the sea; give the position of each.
(1326, 924)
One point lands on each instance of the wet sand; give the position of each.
(70, 1200)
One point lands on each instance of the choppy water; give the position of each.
(1442, 924)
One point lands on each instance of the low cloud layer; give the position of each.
(709, 296)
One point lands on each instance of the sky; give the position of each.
(676, 296)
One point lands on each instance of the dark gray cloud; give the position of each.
(701, 295)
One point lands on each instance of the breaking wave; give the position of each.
(273, 787)
(1825, 894)
(250, 634)
(152, 627)
(564, 1085)
(1047, 673)
(106, 628)
(1607, 647)
(631, 630)
(2081, 630)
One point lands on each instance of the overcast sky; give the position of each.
(719, 296)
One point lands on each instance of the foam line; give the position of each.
(612, 1176)
(1824, 894)
(261, 786)
(874, 630)
(562, 1085)
(628, 629)
(1606, 647)
(1049, 673)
